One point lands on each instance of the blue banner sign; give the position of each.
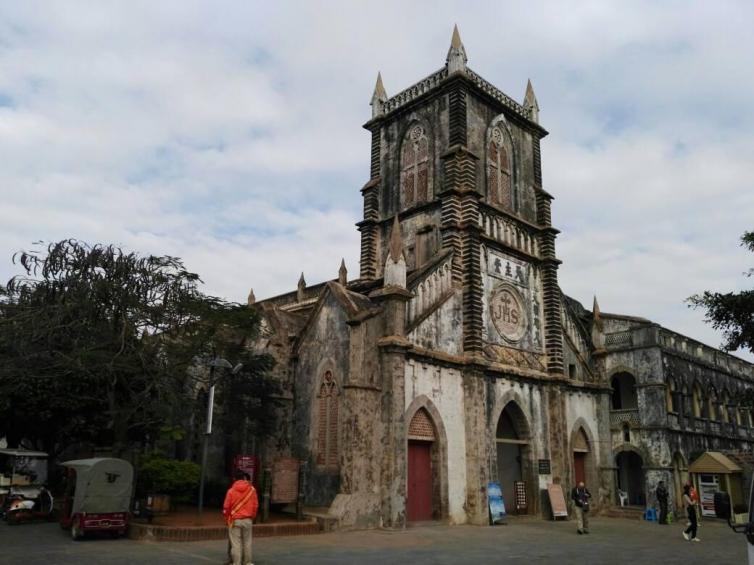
(497, 506)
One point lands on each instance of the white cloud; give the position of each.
(229, 134)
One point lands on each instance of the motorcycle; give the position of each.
(28, 506)
(23, 494)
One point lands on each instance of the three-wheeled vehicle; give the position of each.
(98, 496)
(23, 494)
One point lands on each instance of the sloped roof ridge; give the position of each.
(436, 260)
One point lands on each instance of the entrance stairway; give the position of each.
(630, 512)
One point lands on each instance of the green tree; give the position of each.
(731, 312)
(101, 346)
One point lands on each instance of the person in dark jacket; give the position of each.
(662, 500)
(581, 495)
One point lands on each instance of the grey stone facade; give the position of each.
(457, 319)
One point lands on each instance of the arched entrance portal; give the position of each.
(421, 502)
(580, 457)
(512, 439)
(631, 476)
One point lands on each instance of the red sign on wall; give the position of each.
(248, 464)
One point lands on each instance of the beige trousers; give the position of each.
(582, 518)
(240, 541)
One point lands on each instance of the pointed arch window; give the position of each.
(712, 404)
(327, 429)
(415, 181)
(670, 396)
(499, 170)
(697, 400)
(724, 414)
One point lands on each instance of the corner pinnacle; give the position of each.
(379, 88)
(530, 102)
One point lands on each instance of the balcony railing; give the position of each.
(629, 416)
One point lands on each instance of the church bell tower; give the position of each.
(457, 163)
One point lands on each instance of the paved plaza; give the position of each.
(613, 541)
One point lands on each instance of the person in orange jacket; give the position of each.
(240, 509)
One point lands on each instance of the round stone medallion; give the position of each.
(508, 312)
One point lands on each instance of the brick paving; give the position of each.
(613, 541)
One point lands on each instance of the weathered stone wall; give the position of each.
(324, 345)
(442, 329)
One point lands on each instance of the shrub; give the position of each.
(160, 475)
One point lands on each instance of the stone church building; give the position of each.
(455, 359)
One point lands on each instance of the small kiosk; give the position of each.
(712, 471)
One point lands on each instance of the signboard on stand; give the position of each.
(496, 504)
(557, 501)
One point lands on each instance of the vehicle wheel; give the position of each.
(76, 533)
(12, 518)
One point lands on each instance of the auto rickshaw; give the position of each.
(23, 494)
(98, 496)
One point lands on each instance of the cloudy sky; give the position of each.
(229, 133)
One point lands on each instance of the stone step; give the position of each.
(631, 512)
(153, 532)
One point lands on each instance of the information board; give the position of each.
(544, 467)
(557, 501)
(285, 480)
(495, 501)
(708, 486)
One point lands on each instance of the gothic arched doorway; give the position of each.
(512, 439)
(580, 457)
(631, 476)
(422, 486)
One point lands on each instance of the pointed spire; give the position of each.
(456, 60)
(251, 298)
(598, 338)
(396, 242)
(530, 103)
(343, 273)
(301, 287)
(455, 41)
(379, 97)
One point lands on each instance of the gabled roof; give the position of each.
(714, 462)
(357, 306)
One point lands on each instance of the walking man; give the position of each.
(581, 496)
(662, 499)
(689, 504)
(240, 509)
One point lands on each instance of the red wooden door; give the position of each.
(578, 467)
(419, 495)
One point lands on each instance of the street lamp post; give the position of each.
(224, 364)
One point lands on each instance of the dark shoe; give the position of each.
(580, 531)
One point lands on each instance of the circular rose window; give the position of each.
(508, 312)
